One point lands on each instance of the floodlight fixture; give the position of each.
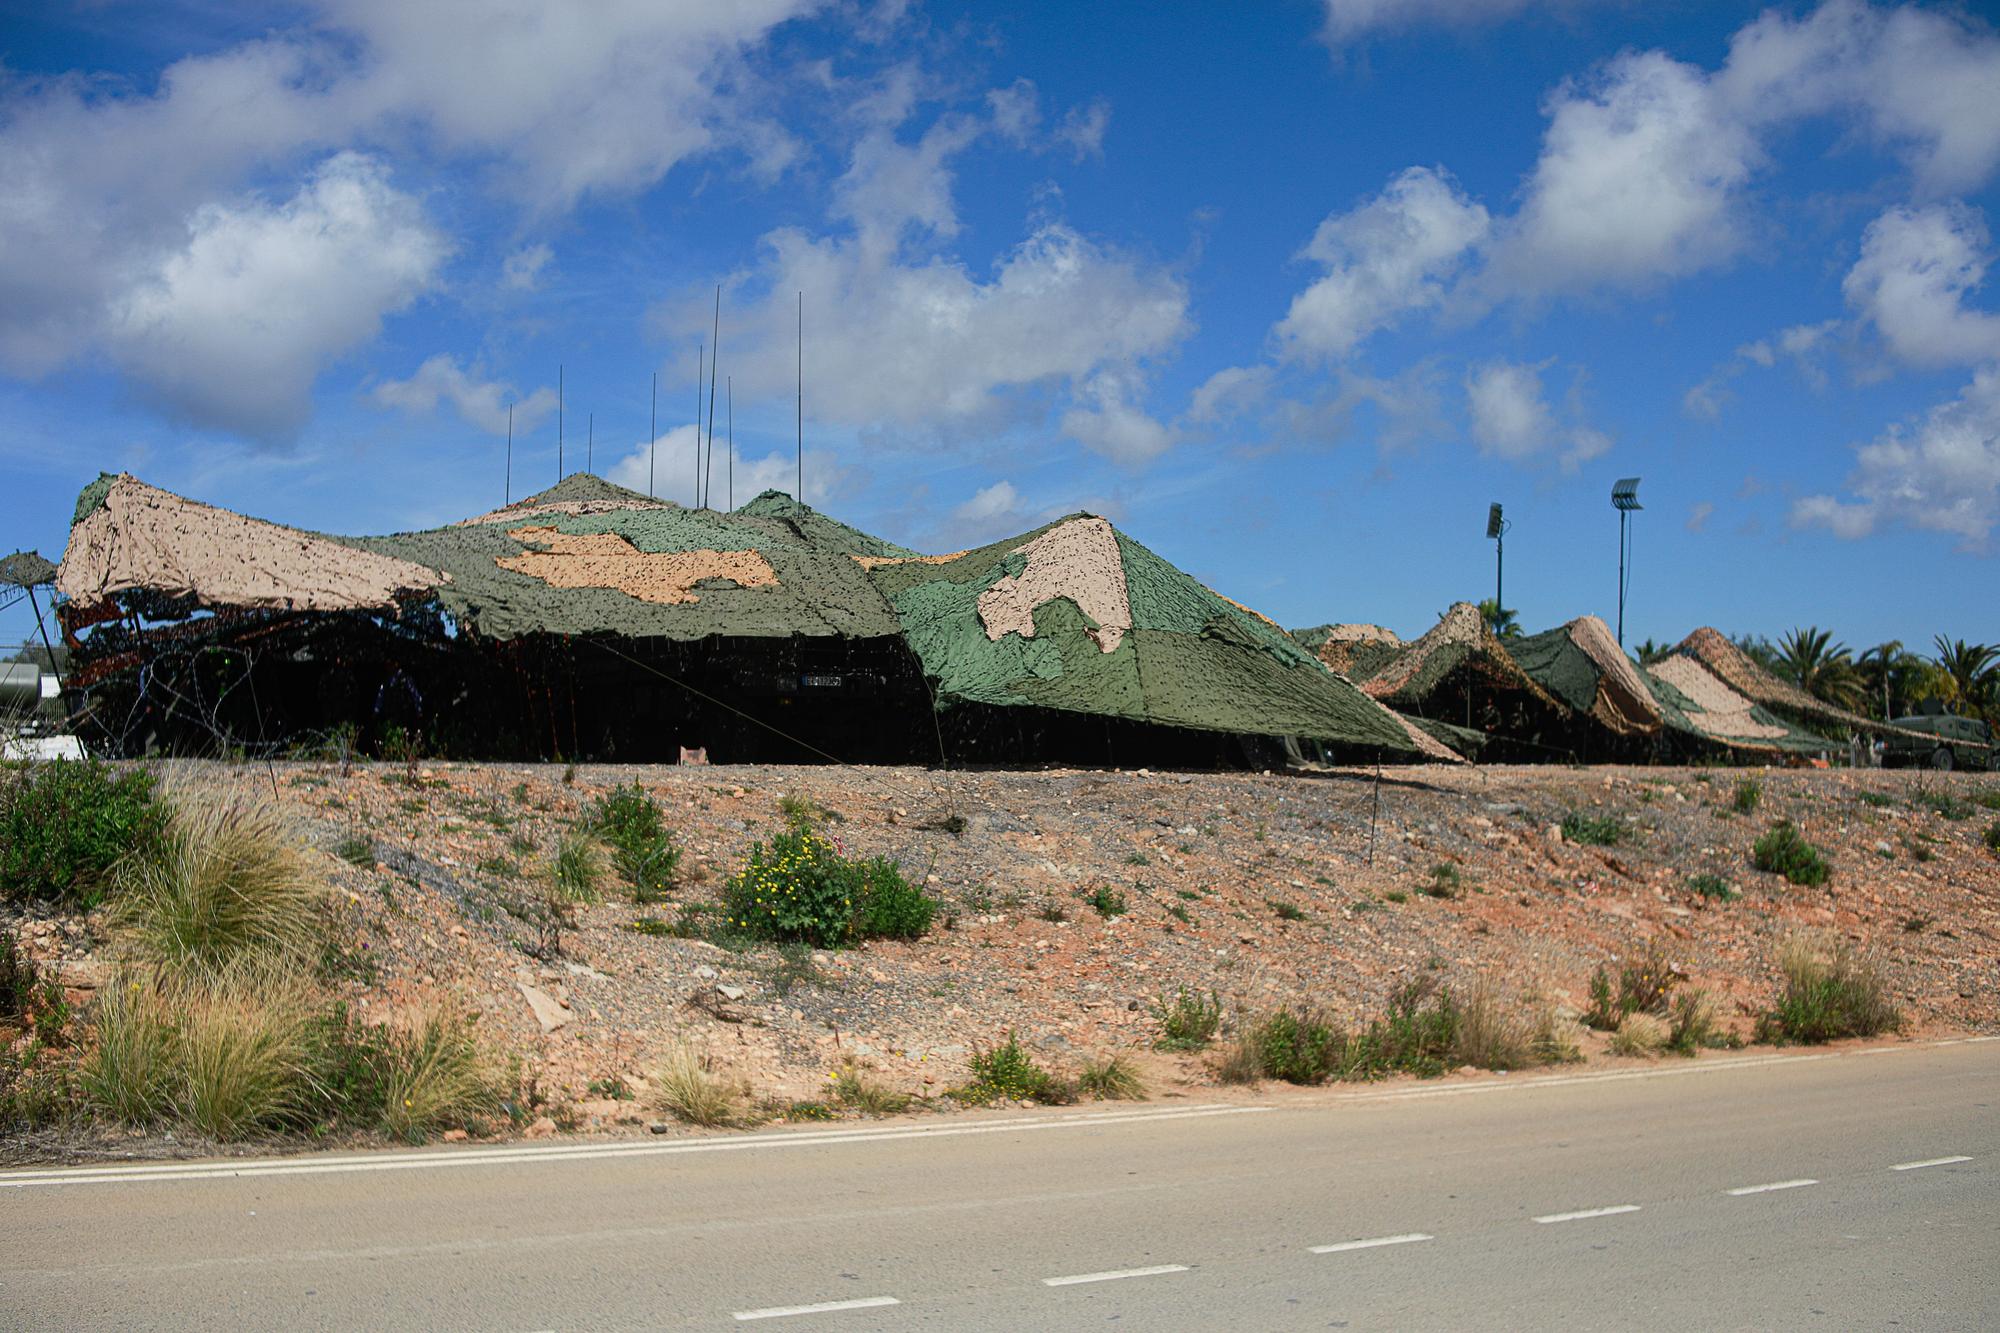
(1625, 499)
(1496, 532)
(1493, 521)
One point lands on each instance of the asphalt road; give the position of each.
(1854, 1190)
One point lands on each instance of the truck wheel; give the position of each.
(1941, 759)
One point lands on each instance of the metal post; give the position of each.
(1621, 577)
(510, 455)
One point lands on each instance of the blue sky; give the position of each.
(1289, 291)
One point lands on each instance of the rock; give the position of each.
(454, 1136)
(1554, 833)
(82, 973)
(1506, 808)
(706, 973)
(548, 1013)
(657, 1126)
(543, 1128)
(731, 993)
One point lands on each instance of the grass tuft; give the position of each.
(855, 1088)
(1188, 1019)
(576, 867)
(1640, 1034)
(1749, 795)
(1829, 992)
(1594, 830)
(1112, 1078)
(1783, 850)
(688, 1089)
(1009, 1070)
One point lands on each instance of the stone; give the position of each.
(657, 1126)
(454, 1136)
(547, 1011)
(730, 993)
(706, 973)
(543, 1128)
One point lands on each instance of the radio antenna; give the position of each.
(559, 423)
(510, 455)
(729, 386)
(698, 373)
(802, 398)
(715, 337)
(653, 437)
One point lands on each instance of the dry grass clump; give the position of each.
(242, 1061)
(1829, 992)
(434, 1073)
(854, 1088)
(1111, 1078)
(1492, 1034)
(129, 1074)
(1640, 1033)
(224, 881)
(687, 1087)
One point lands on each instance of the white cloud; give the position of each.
(231, 328)
(993, 512)
(1231, 391)
(1916, 268)
(1106, 420)
(1383, 258)
(669, 466)
(1083, 128)
(1349, 19)
(1698, 515)
(1511, 420)
(1940, 472)
(484, 403)
(522, 270)
(1801, 344)
(1637, 181)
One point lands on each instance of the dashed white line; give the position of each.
(1773, 1186)
(1114, 1275)
(1929, 1161)
(1588, 1212)
(1409, 1238)
(819, 1307)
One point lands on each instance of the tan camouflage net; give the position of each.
(1078, 560)
(607, 560)
(1722, 711)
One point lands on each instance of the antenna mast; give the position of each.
(653, 437)
(802, 399)
(510, 455)
(715, 337)
(729, 387)
(699, 371)
(559, 423)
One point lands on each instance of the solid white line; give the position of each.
(1409, 1239)
(1934, 1161)
(1589, 1212)
(822, 1307)
(1154, 1271)
(1774, 1185)
(504, 1156)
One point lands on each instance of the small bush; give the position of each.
(357, 851)
(1594, 830)
(1285, 911)
(1008, 1070)
(129, 1074)
(1112, 1078)
(1877, 799)
(1749, 795)
(1829, 993)
(803, 811)
(1188, 1019)
(1553, 1038)
(66, 823)
(855, 1088)
(1644, 984)
(1297, 1045)
(1417, 1036)
(642, 850)
(1446, 881)
(576, 868)
(1107, 902)
(1491, 1035)
(18, 978)
(1992, 837)
(689, 1090)
(1783, 850)
(1640, 1034)
(241, 1056)
(223, 882)
(1712, 886)
(1692, 1025)
(802, 888)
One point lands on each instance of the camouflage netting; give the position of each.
(1737, 670)
(1355, 651)
(1073, 617)
(26, 569)
(1461, 645)
(1695, 702)
(1581, 664)
(1077, 617)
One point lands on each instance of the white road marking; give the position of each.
(502, 1156)
(821, 1307)
(1589, 1212)
(1114, 1276)
(1409, 1239)
(1774, 1185)
(1933, 1161)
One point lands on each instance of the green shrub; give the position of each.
(222, 882)
(1992, 838)
(1749, 795)
(642, 849)
(802, 888)
(1285, 911)
(1417, 1036)
(576, 868)
(66, 823)
(1296, 1045)
(1829, 993)
(1188, 1019)
(1692, 1025)
(1712, 886)
(1594, 830)
(18, 977)
(854, 1087)
(1644, 986)
(1008, 1070)
(1107, 902)
(357, 851)
(1783, 850)
(1877, 799)
(1111, 1078)
(1446, 881)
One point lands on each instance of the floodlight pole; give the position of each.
(1625, 499)
(1623, 516)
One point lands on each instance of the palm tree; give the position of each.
(1759, 650)
(1811, 660)
(1500, 619)
(1973, 670)
(1882, 670)
(1650, 652)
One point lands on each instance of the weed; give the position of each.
(802, 888)
(1395, 896)
(1180, 913)
(688, 1088)
(241, 1058)
(1446, 881)
(799, 1112)
(1877, 799)
(1594, 830)
(1053, 911)
(1640, 1034)
(1137, 859)
(1749, 795)
(1992, 837)
(1417, 1036)
(1940, 801)
(434, 1074)
(1285, 911)
(129, 1072)
(1188, 1019)
(1112, 1078)
(223, 881)
(498, 867)
(1009, 1070)
(854, 1088)
(652, 925)
(521, 845)
(1783, 850)
(357, 851)
(1644, 984)
(613, 1088)
(1296, 1045)
(803, 811)
(1712, 886)
(1692, 1025)
(1989, 799)
(643, 851)
(65, 824)
(1491, 1035)
(1553, 1038)
(576, 868)
(1186, 895)
(1107, 902)
(1829, 992)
